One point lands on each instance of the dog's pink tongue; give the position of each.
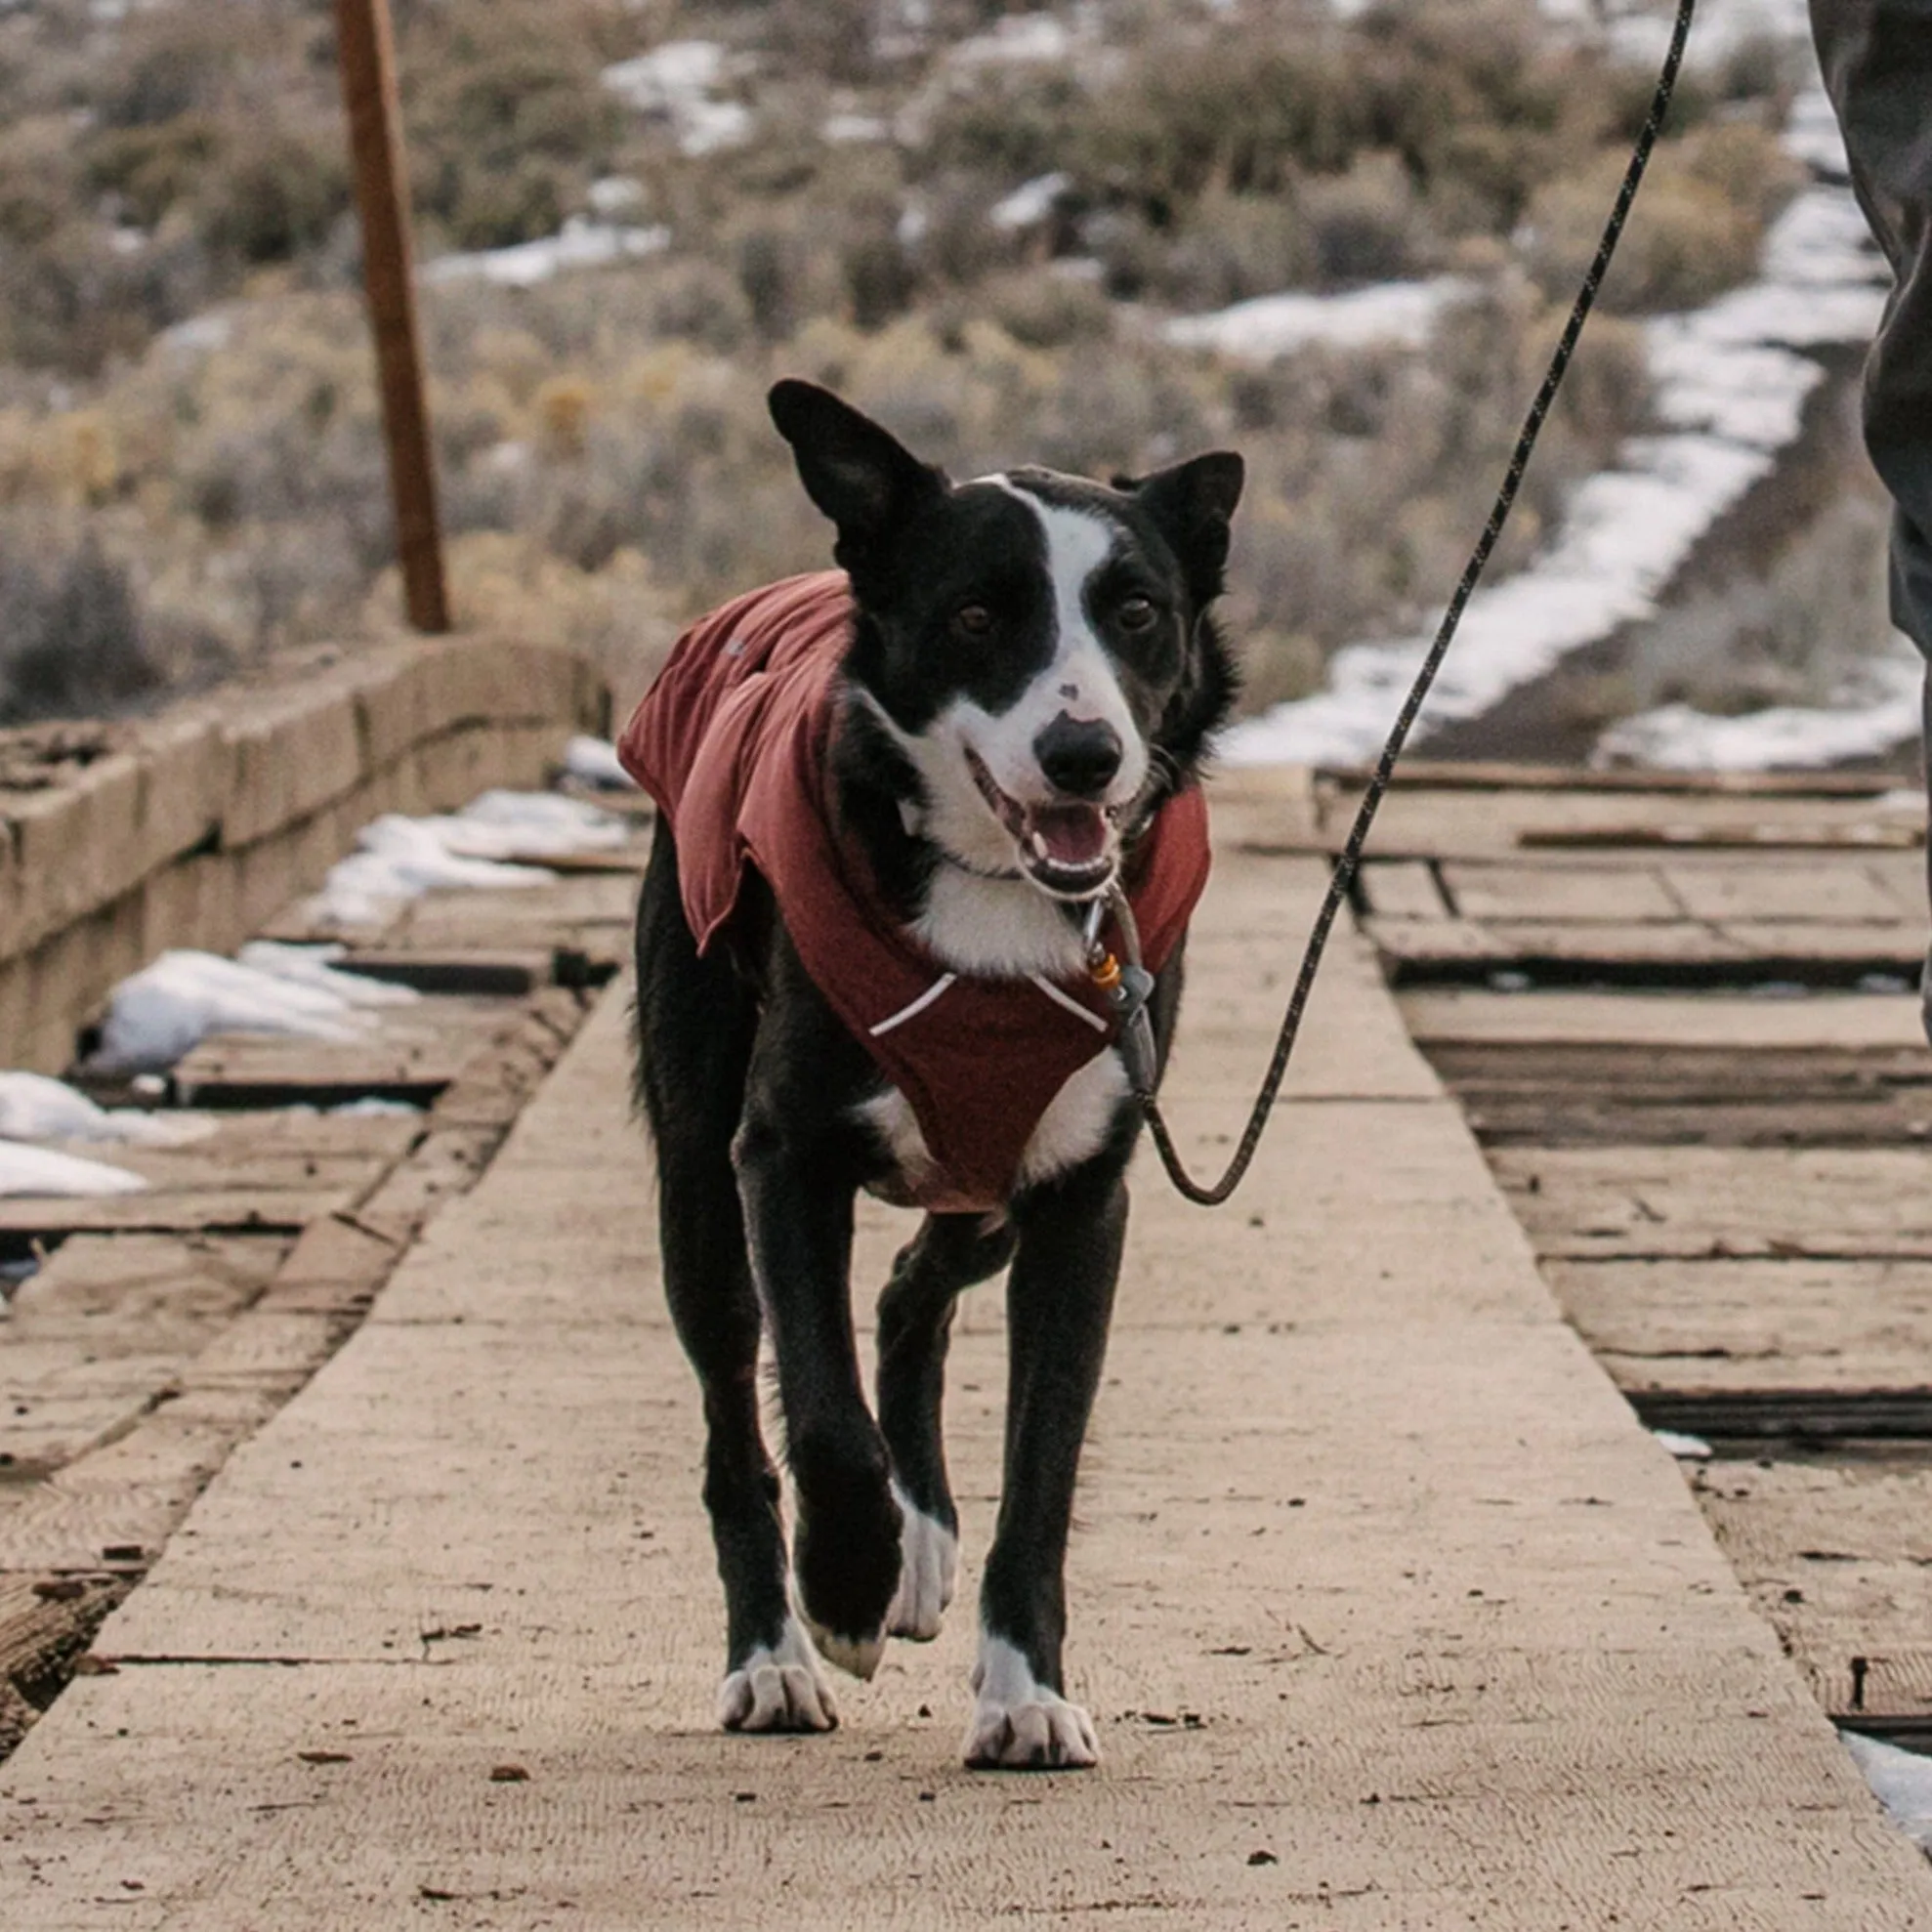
(1074, 834)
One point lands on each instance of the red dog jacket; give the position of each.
(731, 740)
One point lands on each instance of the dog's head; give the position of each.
(1035, 647)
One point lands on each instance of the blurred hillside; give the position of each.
(977, 222)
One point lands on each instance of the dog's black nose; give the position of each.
(1079, 756)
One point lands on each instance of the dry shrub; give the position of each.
(1696, 231)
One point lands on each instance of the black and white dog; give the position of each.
(1025, 680)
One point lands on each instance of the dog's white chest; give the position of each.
(1073, 1129)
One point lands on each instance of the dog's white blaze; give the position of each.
(1073, 1128)
(1017, 1720)
(1081, 679)
(779, 1689)
(927, 1570)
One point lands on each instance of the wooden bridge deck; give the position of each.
(1390, 1608)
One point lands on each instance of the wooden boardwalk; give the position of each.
(1392, 1613)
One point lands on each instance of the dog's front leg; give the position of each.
(1059, 1301)
(846, 1541)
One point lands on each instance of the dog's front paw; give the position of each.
(845, 1558)
(928, 1570)
(777, 1688)
(1018, 1724)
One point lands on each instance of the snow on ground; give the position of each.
(1731, 381)
(1270, 326)
(166, 1008)
(1030, 203)
(1900, 1779)
(675, 83)
(1878, 709)
(400, 858)
(593, 760)
(42, 1170)
(581, 244)
(165, 1011)
(35, 1108)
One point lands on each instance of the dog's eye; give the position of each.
(1137, 614)
(972, 621)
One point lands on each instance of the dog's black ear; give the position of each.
(1192, 505)
(860, 475)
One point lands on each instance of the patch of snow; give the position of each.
(35, 1108)
(372, 1108)
(201, 334)
(1018, 39)
(1030, 203)
(169, 1007)
(1272, 325)
(674, 83)
(1900, 1779)
(311, 966)
(1686, 1449)
(593, 760)
(845, 130)
(502, 824)
(36, 1171)
(1730, 388)
(402, 857)
(1877, 708)
(580, 244)
(613, 194)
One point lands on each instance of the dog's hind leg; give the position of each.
(695, 1024)
(1059, 1299)
(949, 1253)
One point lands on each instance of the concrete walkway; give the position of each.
(1389, 1613)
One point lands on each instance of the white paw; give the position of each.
(928, 1570)
(1018, 1724)
(779, 1689)
(857, 1656)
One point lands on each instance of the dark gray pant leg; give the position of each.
(1877, 60)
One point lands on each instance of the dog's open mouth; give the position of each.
(1071, 848)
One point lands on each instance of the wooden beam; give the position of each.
(375, 140)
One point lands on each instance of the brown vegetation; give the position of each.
(605, 462)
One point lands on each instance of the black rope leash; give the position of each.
(1128, 985)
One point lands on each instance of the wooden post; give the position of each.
(368, 53)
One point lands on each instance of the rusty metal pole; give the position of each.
(368, 53)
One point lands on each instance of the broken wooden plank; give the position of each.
(1636, 1203)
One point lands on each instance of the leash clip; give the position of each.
(1128, 985)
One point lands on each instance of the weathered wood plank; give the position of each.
(1403, 889)
(1838, 1556)
(1430, 822)
(1840, 893)
(1690, 1202)
(1471, 1017)
(1480, 775)
(1594, 895)
(184, 1211)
